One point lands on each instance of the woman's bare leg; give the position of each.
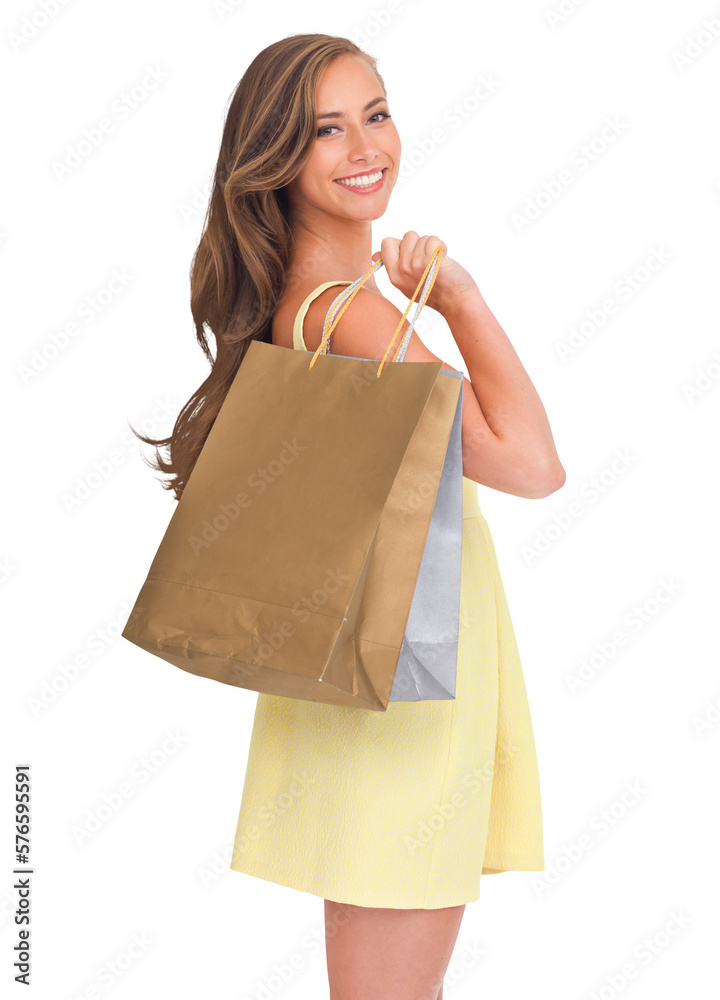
(374, 953)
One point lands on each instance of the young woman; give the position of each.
(391, 816)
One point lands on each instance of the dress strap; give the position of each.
(298, 339)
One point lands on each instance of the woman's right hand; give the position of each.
(406, 259)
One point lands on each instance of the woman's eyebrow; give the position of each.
(341, 114)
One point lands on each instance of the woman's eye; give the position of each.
(323, 129)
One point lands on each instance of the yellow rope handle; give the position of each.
(327, 330)
(437, 252)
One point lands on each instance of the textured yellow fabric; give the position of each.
(404, 808)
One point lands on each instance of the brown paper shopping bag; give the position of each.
(289, 564)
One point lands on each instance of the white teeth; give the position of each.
(362, 181)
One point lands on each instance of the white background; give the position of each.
(639, 558)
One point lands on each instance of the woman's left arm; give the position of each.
(510, 404)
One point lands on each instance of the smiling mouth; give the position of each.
(372, 180)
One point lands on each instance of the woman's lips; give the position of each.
(363, 188)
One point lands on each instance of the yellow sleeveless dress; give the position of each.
(408, 807)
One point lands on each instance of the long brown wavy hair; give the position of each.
(238, 271)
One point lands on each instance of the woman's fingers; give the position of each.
(432, 242)
(390, 248)
(406, 259)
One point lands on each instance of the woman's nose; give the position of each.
(362, 145)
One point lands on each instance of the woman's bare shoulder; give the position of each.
(365, 328)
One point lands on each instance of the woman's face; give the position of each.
(354, 135)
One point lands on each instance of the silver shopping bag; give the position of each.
(427, 665)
